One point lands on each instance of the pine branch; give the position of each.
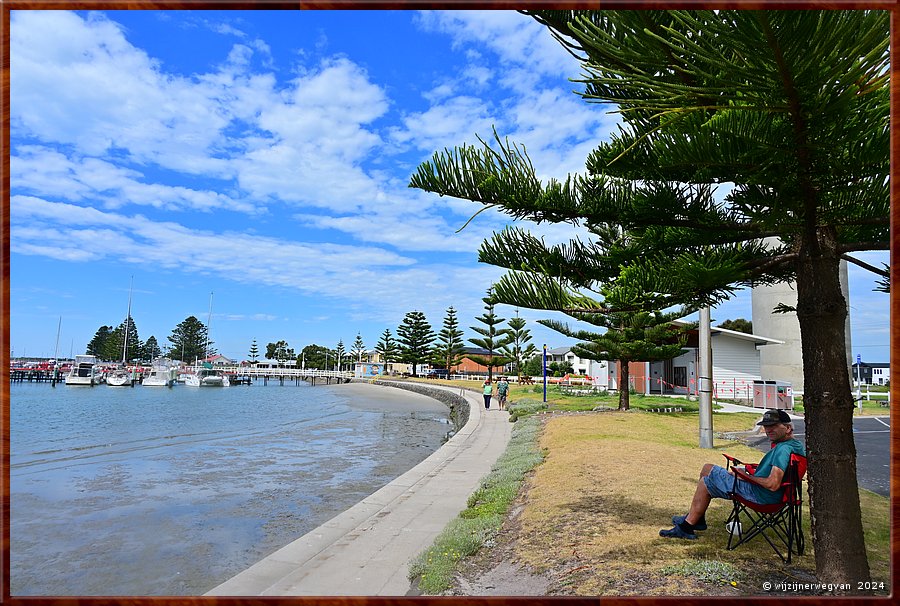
(884, 273)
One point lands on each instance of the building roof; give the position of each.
(758, 339)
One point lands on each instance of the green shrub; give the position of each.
(524, 407)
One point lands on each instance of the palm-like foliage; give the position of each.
(791, 107)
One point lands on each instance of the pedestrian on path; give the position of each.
(488, 391)
(502, 390)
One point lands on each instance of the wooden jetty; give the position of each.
(244, 375)
(35, 375)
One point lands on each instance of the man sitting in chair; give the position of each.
(763, 487)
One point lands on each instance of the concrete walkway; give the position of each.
(366, 550)
(730, 407)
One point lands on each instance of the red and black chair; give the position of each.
(780, 524)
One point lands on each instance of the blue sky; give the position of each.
(264, 157)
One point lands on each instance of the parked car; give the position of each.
(437, 373)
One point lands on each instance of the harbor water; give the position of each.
(171, 491)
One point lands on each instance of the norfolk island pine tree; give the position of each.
(449, 349)
(415, 336)
(631, 336)
(492, 339)
(387, 348)
(801, 131)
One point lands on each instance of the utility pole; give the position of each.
(545, 373)
(705, 376)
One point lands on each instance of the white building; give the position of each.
(736, 365)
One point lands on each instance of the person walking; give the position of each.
(502, 390)
(488, 391)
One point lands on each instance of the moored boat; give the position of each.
(85, 371)
(162, 374)
(212, 378)
(118, 377)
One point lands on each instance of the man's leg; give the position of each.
(686, 526)
(702, 499)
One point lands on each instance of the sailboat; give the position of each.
(207, 376)
(120, 375)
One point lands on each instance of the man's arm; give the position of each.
(772, 482)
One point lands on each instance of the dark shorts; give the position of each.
(719, 483)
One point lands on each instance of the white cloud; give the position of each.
(516, 39)
(48, 172)
(78, 81)
(446, 124)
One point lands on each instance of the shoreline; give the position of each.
(366, 549)
(219, 478)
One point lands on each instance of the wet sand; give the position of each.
(183, 513)
(368, 396)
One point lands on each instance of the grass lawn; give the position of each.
(590, 514)
(612, 480)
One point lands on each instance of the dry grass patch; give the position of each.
(610, 482)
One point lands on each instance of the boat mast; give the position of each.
(56, 352)
(127, 321)
(208, 321)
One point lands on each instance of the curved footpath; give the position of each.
(366, 550)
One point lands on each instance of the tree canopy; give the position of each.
(387, 348)
(188, 340)
(753, 149)
(492, 339)
(415, 337)
(448, 350)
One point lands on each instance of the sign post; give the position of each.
(858, 381)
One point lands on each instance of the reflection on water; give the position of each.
(156, 491)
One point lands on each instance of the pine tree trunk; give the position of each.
(623, 385)
(837, 533)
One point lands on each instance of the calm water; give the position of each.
(156, 491)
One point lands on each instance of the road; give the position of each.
(873, 451)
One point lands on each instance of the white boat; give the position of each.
(162, 374)
(85, 371)
(207, 377)
(118, 377)
(212, 378)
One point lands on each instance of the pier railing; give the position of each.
(287, 373)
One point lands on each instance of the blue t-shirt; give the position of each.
(780, 457)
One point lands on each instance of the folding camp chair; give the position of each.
(778, 523)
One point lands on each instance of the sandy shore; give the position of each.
(210, 481)
(368, 396)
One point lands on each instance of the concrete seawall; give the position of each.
(366, 550)
(452, 397)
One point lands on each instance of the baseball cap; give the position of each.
(773, 417)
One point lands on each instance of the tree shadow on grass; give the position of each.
(623, 509)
